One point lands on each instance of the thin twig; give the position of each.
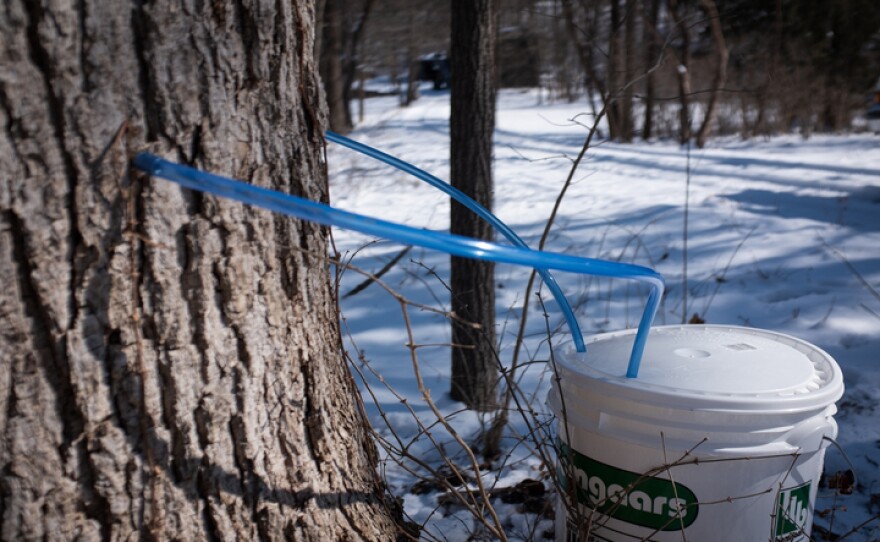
(852, 269)
(725, 270)
(859, 527)
(498, 529)
(396, 295)
(369, 280)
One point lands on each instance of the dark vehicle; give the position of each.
(435, 68)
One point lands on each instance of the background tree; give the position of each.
(330, 63)
(630, 68)
(681, 15)
(356, 23)
(171, 361)
(343, 27)
(793, 64)
(652, 50)
(720, 77)
(471, 123)
(842, 41)
(615, 66)
(604, 35)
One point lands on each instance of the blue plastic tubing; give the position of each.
(477, 209)
(453, 244)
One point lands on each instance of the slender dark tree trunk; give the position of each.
(332, 69)
(615, 71)
(761, 126)
(471, 123)
(586, 56)
(353, 41)
(652, 56)
(629, 71)
(412, 63)
(171, 363)
(720, 76)
(677, 12)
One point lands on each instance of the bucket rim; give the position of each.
(576, 374)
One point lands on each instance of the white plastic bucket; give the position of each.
(720, 438)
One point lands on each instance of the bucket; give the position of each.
(721, 437)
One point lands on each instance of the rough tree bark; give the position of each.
(171, 364)
(471, 123)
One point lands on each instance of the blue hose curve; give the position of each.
(477, 209)
(452, 244)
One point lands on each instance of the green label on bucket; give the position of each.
(792, 513)
(632, 497)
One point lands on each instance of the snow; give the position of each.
(782, 234)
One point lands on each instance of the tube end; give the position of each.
(148, 163)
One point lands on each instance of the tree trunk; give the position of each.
(683, 70)
(615, 70)
(586, 58)
(720, 70)
(471, 123)
(171, 361)
(412, 63)
(652, 56)
(629, 71)
(769, 87)
(331, 68)
(353, 40)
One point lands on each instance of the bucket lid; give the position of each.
(709, 366)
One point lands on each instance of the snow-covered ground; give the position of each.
(783, 234)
